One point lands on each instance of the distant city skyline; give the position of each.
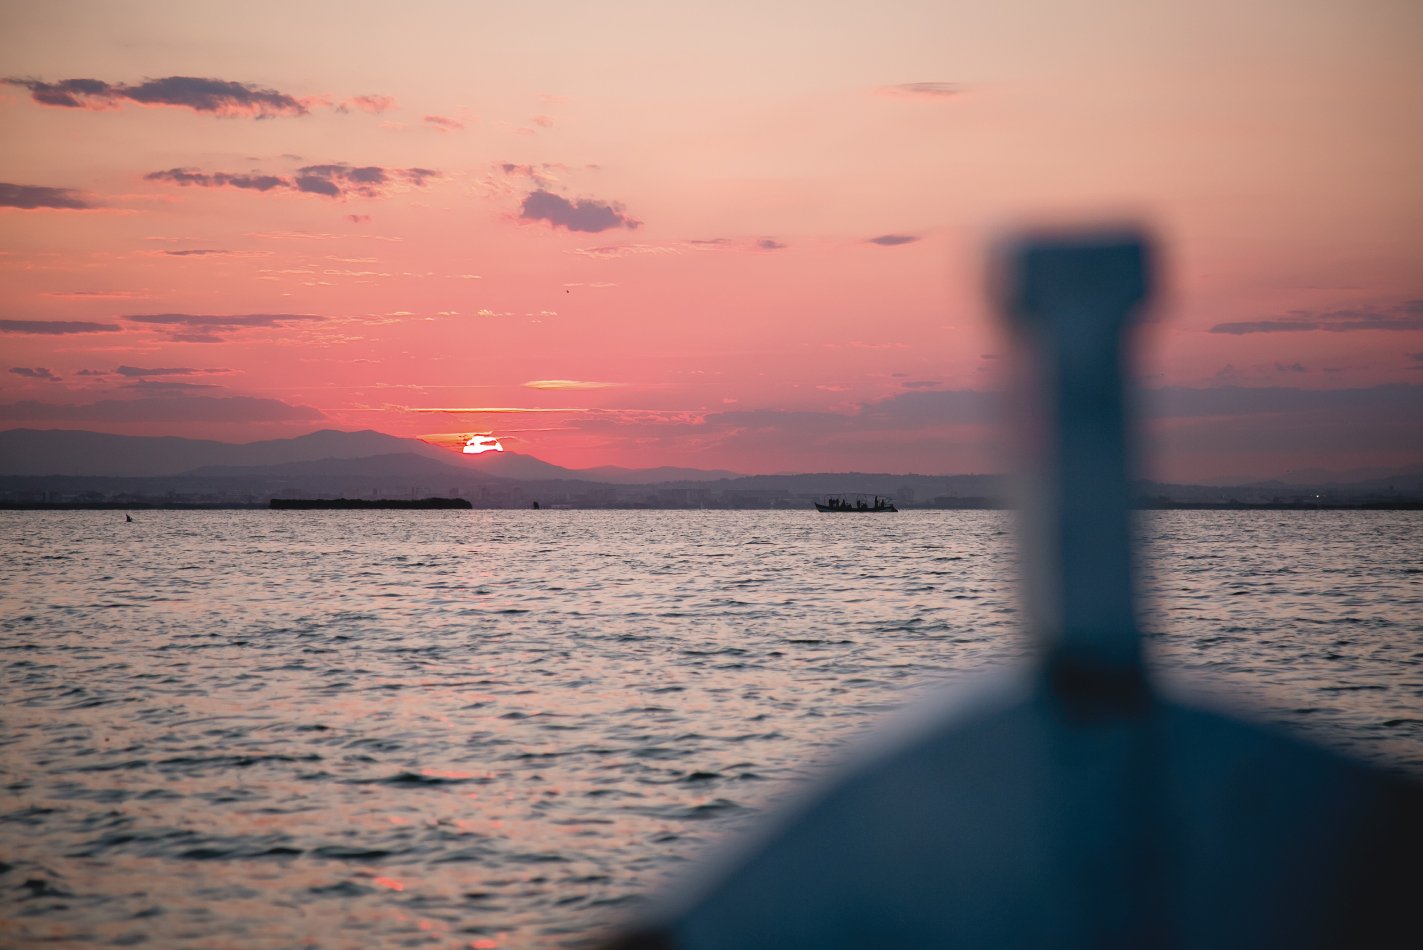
(748, 237)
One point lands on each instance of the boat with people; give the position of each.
(857, 505)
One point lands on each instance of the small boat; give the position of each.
(858, 506)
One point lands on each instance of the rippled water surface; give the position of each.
(496, 729)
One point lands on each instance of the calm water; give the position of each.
(495, 729)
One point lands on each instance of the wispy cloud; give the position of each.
(207, 328)
(175, 406)
(504, 178)
(140, 372)
(97, 294)
(337, 180)
(39, 197)
(496, 410)
(922, 90)
(585, 214)
(375, 105)
(542, 174)
(699, 245)
(35, 372)
(201, 179)
(1231, 400)
(443, 123)
(320, 235)
(204, 252)
(1405, 316)
(56, 327)
(166, 387)
(864, 345)
(892, 240)
(221, 97)
(568, 384)
(629, 250)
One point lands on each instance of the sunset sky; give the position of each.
(743, 236)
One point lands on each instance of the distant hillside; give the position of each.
(331, 460)
(72, 452)
(920, 488)
(617, 475)
(53, 452)
(401, 465)
(1400, 480)
(508, 464)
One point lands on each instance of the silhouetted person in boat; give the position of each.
(128, 519)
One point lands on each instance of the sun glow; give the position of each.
(480, 443)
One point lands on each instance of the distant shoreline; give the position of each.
(462, 504)
(364, 504)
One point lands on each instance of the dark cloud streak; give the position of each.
(32, 197)
(1405, 316)
(140, 371)
(584, 215)
(892, 240)
(165, 386)
(222, 322)
(56, 327)
(1180, 402)
(37, 372)
(185, 177)
(337, 180)
(207, 328)
(188, 408)
(221, 97)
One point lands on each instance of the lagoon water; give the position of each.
(499, 728)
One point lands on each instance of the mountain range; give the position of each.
(36, 464)
(43, 452)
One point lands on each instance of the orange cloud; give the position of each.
(922, 90)
(444, 123)
(568, 384)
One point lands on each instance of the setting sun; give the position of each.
(478, 444)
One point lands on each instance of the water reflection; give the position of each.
(221, 728)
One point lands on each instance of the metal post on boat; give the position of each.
(1077, 805)
(1070, 303)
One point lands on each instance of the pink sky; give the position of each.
(742, 235)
